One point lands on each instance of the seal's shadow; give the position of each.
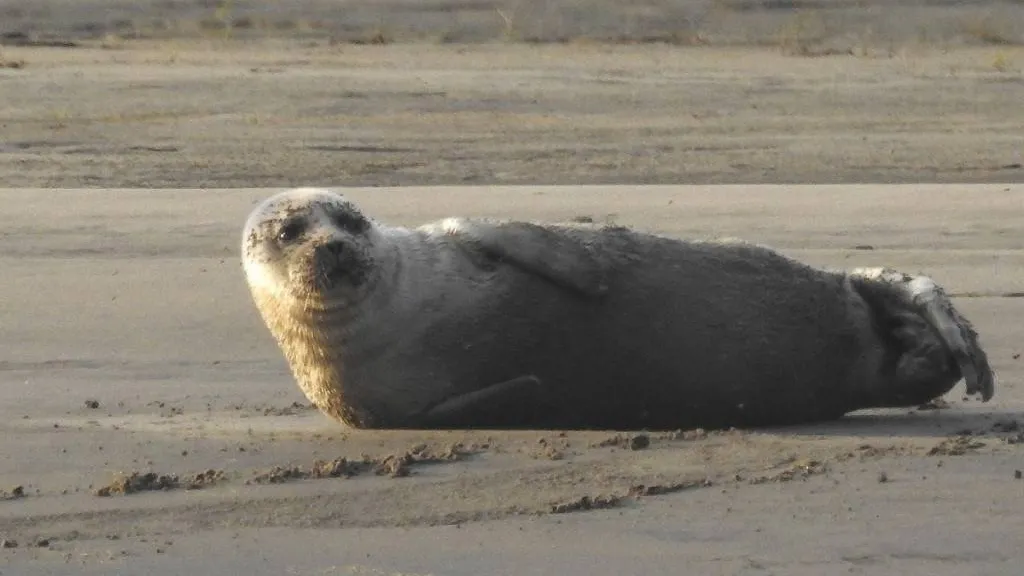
(902, 424)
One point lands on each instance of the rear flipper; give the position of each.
(500, 405)
(937, 345)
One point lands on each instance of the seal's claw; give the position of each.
(956, 333)
(925, 297)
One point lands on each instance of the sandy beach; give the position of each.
(131, 346)
(151, 426)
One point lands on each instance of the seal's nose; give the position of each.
(327, 263)
(329, 252)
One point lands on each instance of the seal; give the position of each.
(485, 323)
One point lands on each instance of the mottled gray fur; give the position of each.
(604, 327)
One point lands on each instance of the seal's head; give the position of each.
(307, 249)
(310, 259)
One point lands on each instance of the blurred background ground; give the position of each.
(253, 93)
(815, 24)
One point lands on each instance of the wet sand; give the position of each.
(130, 345)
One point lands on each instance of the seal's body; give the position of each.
(472, 323)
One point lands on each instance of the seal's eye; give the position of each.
(290, 231)
(348, 221)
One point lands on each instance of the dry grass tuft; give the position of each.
(991, 30)
(11, 63)
(802, 35)
(1002, 63)
(112, 42)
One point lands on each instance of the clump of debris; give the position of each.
(629, 441)
(393, 465)
(799, 470)
(13, 494)
(956, 446)
(135, 482)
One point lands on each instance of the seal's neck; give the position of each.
(313, 344)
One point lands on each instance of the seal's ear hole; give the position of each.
(291, 230)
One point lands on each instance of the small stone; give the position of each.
(92, 404)
(7, 543)
(883, 477)
(1018, 474)
(639, 442)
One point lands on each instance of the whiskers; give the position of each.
(323, 275)
(316, 301)
(326, 308)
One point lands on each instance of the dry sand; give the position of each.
(130, 344)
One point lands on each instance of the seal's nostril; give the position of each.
(330, 250)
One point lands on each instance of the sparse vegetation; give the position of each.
(223, 17)
(6, 62)
(809, 34)
(509, 32)
(802, 34)
(989, 29)
(112, 42)
(1001, 62)
(804, 29)
(377, 36)
(59, 119)
(13, 64)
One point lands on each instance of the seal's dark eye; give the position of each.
(348, 221)
(290, 231)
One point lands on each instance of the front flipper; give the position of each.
(911, 300)
(539, 250)
(498, 405)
